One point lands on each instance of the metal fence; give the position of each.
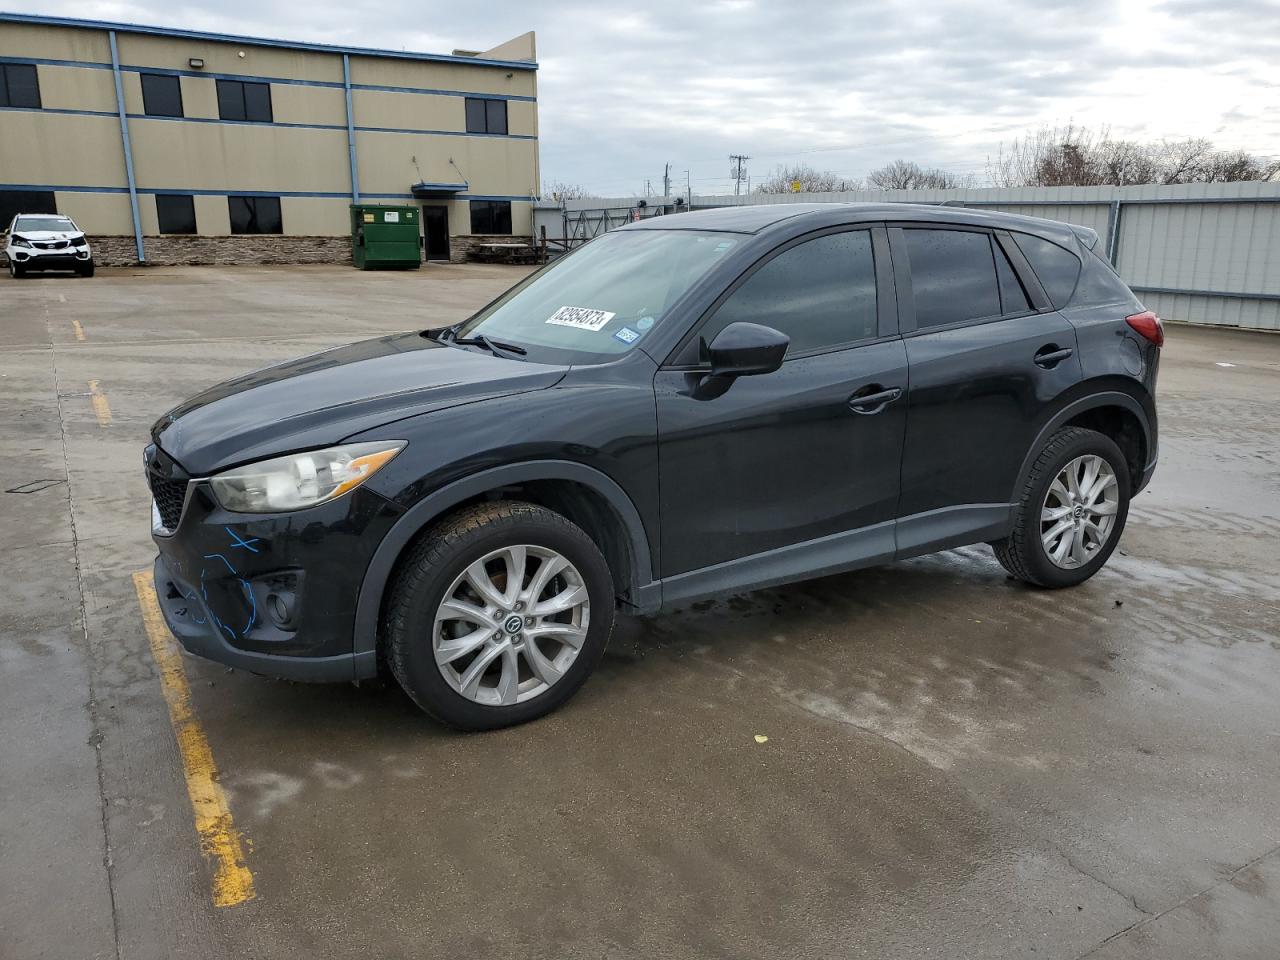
(1201, 253)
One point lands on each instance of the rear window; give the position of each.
(1056, 267)
(953, 276)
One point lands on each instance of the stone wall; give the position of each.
(460, 247)
(177, 250)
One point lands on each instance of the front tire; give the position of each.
(498, 615)
(85, 269)
(1071, 513)
(16, 271)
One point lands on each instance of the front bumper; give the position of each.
(67, 258)
(273, 594)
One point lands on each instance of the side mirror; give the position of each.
(747, 349)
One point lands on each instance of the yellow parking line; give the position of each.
(101, 409)
(75, 325)
(219, 838)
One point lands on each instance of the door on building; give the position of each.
(435, 226)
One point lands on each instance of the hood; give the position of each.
(321, 399)
(43, 235)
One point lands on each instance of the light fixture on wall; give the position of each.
(196, 63)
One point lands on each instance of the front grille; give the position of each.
(170, 496)
(53, 244)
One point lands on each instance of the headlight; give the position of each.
(302, 479)
(21, 242)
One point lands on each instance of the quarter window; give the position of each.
(953, 276)
(1055, 267)
(1013, 299)
(820, 293)
(486, 116)
(176, 213)
(255, 214)
(19, 85)
(491, 216)
(161, 95)
(244, 100)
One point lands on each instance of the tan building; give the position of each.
(173, 146)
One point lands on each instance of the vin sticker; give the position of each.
(581, 318)
(627, 335)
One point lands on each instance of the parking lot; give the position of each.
(925, 759)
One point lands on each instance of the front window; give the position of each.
(604, 298)
(52, 224)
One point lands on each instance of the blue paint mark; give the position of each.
(237, 541)
(218, 556)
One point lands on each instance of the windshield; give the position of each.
(56, 224)
(605, 297)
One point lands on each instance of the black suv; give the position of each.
(689, 406)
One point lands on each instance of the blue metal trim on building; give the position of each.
(58, 111)
(128, 147)
(351, 131)
(44, 62)
(40, 20)
(231, 192)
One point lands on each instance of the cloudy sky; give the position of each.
(843, 85)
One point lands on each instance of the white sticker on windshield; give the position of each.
(582, 318)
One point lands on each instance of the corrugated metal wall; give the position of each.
(1201, 253)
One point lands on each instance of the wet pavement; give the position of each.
(955, 765)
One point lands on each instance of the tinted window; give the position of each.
(255, 214)
(486, 116)
(244, 100)
(821, 293)
(19, 85)
(161, 96)
(176, 212)
(1099, 283)
(953, 276)
(14, 202)
(1013, 299)
(1055, 267)
(490, 216)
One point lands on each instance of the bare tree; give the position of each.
(558, 190)
(909, 175)
(784, 178)
(1082, 157)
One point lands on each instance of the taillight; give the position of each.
(1148, 326)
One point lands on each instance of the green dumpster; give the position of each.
(384, 236)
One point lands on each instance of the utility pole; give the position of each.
(737, 160)
(666, 181)
(688, 190)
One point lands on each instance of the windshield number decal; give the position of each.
(627, 335)
(581, 318)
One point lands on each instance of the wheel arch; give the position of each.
(1112, 412)
(586, 496)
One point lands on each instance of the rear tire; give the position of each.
(1056, 506)
(482, 670)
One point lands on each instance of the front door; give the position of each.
(783, 472)
(435, 226)
(985, 364)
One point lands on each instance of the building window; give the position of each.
(486, 116)
(176, 212)
(255, 214)
(14, 202)
(490, 216)
(161, 95)
(244, 100)
(19, 85)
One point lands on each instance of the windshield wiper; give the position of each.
(496, 347)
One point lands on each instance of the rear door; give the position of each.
(987, 353)
(796, 457)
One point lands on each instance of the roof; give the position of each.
(258, 41)
(759, 217)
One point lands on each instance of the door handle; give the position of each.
(873, 399)
(1050, 356)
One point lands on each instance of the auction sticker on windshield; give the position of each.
(581, 318)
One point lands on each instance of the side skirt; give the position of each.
(841, 552)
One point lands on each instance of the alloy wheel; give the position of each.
(1079, 511)
(511, 625)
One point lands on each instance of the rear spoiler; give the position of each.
(1085, 235)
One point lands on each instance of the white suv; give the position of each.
(47, 241)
